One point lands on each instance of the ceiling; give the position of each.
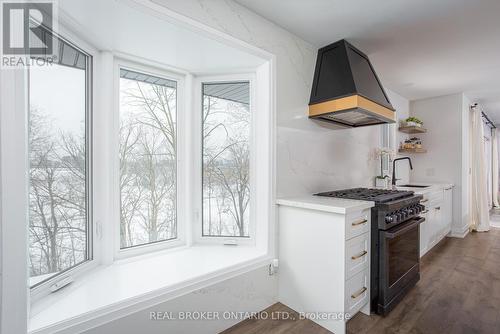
(419, 48)
(130, 29)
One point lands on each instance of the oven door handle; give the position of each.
(416, 221)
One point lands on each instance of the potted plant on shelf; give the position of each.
(413, 121)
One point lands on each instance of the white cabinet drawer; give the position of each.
(357, 223)
(436, 196)
(357, 292)
(357, 254)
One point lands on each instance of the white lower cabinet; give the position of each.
(424, 233)
(357, 292)
(325, 264)
(438, 218)
(357, 253)
(447, 209)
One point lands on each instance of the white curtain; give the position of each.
(494, 166)
(480, 220)
(488, 162)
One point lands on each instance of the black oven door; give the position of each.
(399, 266)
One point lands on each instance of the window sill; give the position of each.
(126, 286)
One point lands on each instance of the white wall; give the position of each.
(446, 141)
(246, 293)
(313, 158)
(402, 107)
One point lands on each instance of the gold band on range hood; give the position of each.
(349, 103)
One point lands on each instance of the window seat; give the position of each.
(135, 283)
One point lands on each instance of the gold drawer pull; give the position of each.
(359, 293)
(363, 221)
(424, 200)
(355, 257)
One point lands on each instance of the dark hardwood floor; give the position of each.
(458, 292)
(272, 325)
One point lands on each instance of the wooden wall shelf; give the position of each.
(412, 129)
(412, 150)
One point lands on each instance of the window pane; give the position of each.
(226, 167)
(148, 169)
(58, 215)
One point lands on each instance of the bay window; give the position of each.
(132, 148)
(150, 190)
(162, 169)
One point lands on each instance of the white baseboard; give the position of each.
(495, 224)
(459, 233)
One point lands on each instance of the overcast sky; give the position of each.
(59, 93)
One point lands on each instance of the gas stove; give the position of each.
(395, 246)
(367, 194)
(392, 207)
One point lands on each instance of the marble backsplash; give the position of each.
(309, 162)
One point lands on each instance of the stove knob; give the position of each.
(392, 218)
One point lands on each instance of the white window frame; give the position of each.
(43, 289)
(197, 199)
(132, 64)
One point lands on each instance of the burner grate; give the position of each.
(368, 194)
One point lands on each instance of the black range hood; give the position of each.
(346, 90)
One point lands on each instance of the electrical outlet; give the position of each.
(273, 267)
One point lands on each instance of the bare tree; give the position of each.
(57, 198)
(130, 188)
(226, 166)
(148, 164)
(159, 181)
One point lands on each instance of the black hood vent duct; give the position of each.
(346, 89)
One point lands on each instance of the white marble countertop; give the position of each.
(344, 206)
(328, 204)
(430, 187)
